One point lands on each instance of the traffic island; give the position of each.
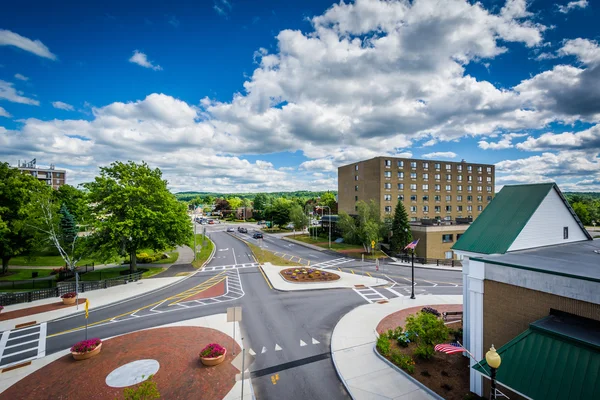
(170, 354)
(302, 275)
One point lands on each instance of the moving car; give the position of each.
(257, 235)
(242, 230)
(229, 229)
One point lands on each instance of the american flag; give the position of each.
(412, 245)
(449, 348)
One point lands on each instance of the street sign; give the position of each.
(247, 358)
(372, 244)
(234, 314)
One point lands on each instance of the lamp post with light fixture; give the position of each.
(493, 359)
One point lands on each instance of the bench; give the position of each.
(452, 313)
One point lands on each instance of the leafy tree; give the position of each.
(76, 202)
(222, 206)
(234, 203)
(279, 212)
(16, 236)
(401, 232)
(427, 330)
(298, 218)
(259, 206)
(363, 228)
(135, 210)
(328, 199)
(68, 227)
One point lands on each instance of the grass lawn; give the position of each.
(24, 274)
(324, 242)
(206, 251)
(108, 273)
(264, 256)
(46, 261)
(275, 230)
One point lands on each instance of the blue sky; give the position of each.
(268, 95)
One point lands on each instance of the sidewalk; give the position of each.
(97, 298)
(365, 375)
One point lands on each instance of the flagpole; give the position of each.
(412, 296)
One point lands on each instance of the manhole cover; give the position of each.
(132, 373)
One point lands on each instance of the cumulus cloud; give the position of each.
(21, 77)
(62, 106)
(8, 92)
(572, 5)
(8, 38)
(502, 144)
(141, 59)
(440, 154)
(588, 140)
(4, 113)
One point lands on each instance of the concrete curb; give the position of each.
(416, 382)
(307, 245)
(212, 254)
(335, 366)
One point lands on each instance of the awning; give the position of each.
(558, 357)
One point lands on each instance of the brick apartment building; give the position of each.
(441, 198)
(51, 176)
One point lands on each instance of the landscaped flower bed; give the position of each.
(213, 354)
(1, 308)
(69, 298)
(411, 349)
(308, 275)
(86, 349)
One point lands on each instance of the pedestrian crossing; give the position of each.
(332, 263)
(234, 266)
(371, 295)
(21, 345)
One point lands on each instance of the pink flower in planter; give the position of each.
(85, 346)
(212, 350)
(69, 295)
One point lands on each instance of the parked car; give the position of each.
(257, 235)
(211, 222)
(261, 223)
(242, 230)
(230, 229)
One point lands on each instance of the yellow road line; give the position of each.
(339, 269)
(199, 291)
(352, 271)
(368, 274)
(308, 263)
(265, 276)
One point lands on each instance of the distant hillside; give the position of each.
(187, 196)
(592, 195)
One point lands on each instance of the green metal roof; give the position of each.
(551, 364)
(495, 230)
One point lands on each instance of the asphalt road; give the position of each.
(290, 332)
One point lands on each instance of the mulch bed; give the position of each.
(308, 275)
(447, 375)
(5, 316)
(181, 374)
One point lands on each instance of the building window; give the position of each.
(489, 198)
(448, 255)
(489, 189)
(489, 170)
(566, 232)
(426, 198)
(413, 197)
(355, 198)
(469, 188)
(355, 208)
(479, 188)
(387, 197)
(448, 198)
(425, 165)
(459, 168)
(459, 208)
(387, 174)
(448, 238)
(437, 198)
(388, 163)
(413, 219)
(437, 165)
(438, 209)
(448, 208)
(480, 179)
(469, 198)
(425, 177)
(425, 187)
(437, 177)
(448, 177)
(401, 186)
(459, 178)
(459, 197)
(413, 164)
(413, 208)
(448, 167)
(459, 188)
(469, 168)
(448, 218)
(479, 208)
(413, 186)
(356, 188)
(480, 198)
(489, 179)
(469, 208)
(388, 209)
(413, 175)
(469, 178)
(448, 187)
(400, 164)
(356, 167)
(425, 208)
(401, 197)
(355, 177)
(437, 188)
(387, 185)
(480, 169)
(400, 175)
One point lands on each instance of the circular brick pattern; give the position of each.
(132, 373)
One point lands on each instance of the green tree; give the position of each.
(582, 211)
(363, 228)
(328, 199)
(16, 236)
(427, 330)
(135, 210)
(234, 203)
(259, 206)
(76, 202)
(298, 218)
(401, 232)
(68, 227)
(279, 212)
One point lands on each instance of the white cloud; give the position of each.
(141, 59)
(62, 106)
(21, 77)
(587, 140)
(8, 92)
(572, 5)
(440, 154)
(322, 164)
(4, 113)
(502, 144)
(8, 38)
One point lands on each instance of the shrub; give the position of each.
(428, 331)
(383, 345)
(85, 346)
(403, 361)
(145, 258)
(431, 311)
(404, 339)
(393, 334)
(69, 295)
(212, 350)
(145, 391)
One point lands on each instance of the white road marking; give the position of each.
(332, 263)
(302, 343)
(370, 295)
(315, 341)
(264, 350)
(37, 345)
(234, 259)
(277, 348)
(252, 353)
(393, 292)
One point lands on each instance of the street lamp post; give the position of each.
(329, 210)
(493, 360)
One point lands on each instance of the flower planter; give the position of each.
(88, 354)
(69, 300)
(211, 361)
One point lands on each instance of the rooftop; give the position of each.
(579, 259)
